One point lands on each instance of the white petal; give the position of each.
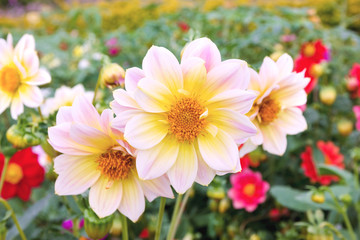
(285, 65)
(132, 77)
(205, 174)
(17, 106)
(4, 101)
(274, 139)
(132, 204)
(40, 78)
(84, 112)
(104, 200)
(183, 173)
(31, 96)
(291, 121)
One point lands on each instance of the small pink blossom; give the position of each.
(248, 190)
(356, 110)
(288, 37)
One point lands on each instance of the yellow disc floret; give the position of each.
(116, 165)
(10, 79)
(268, 110)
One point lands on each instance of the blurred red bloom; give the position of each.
(356, 110)
(183, 26)
(248, 190)
(113, 46)
(23, 173)
(311, 55)
(247, 161)
(353, 81)
(332, 156)
(144, 233)
(276, 213)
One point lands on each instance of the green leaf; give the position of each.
(341, 173)
(6, 217)
(29, 215)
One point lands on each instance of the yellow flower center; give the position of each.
(10, 79)
(115, 164)
(14, 173)
(309, 50)
(268, 110)
(186, 119)
(249, 189)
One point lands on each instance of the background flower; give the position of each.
(23, 173)
(248, 190)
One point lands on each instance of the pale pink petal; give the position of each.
(285, 65)
(269, 72)
(123, 98)
(220, 152)
(203, 48)
(161, 65)
(107, 116)
(292, 100)
(132, 204)
(124, 114)
(159, 187)
(183, 173)
(230, 74)
(157, 160)
(153, 96)
(145, 130)
(255, 82)
(20, 68)
(237, 125)
(64, 115)
(104, 200)
(84, 112)
(194, 72)
(238, 100)
(4, 101)
(27, 41)
(31, 96)
(40, 78)
(31, 62)
(76, 174)
(91, 137)
(9, 41)
(17, 106)
(247, 147)
(291, 121)
(205, 174)
(60, 140)
(5, 53)
(132, 77)
(274, 139)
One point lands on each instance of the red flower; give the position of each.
(144, 233)
(353, 82)
(311, 55)
(183, 26)
(276, 213)
(23, 173)
(249, 161)
(332, 156)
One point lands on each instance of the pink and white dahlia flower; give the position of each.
(20, 75)
(95, 156)
(186, 118)
(275, 112)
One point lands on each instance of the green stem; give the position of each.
(2, 180)
(160, 217)
(40, 114)
(76, 227)
(174, 216)
(181, 211)
(96, 90)
(356, 174)
(13, 216)
(125, 235)
(344, 214)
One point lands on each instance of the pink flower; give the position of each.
(288, 37)
(248, 190)
(356, 110)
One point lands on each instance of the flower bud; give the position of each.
(116, 227)
(254, 237)
(318, 197)
(346, 199)
(213, 205)
(355, 154)
(316, 70)
(345, 127)
(112, 75)
(351, 84)
(328, 95)
(224, 205)
(95, 227)
(21, 139)
(215, 192)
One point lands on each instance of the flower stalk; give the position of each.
(125, 235)
(3, 174)
(171, 232)
(13, 216)
(160, 217)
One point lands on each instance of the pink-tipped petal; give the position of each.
(145, 130)
(31, 96)
(274, 139)
(31, 61)
(291, 121)
(205, 174)
(132, 77)
(40, 78)
(159, 187)
(84, 112)
(205, 49)
(285, 65)
(194, 72)
(219, 152)
(64, 115)
(132, 204)
(269, 72)
(157, 160)
(161, 65)
(104, 200)
(183, 173)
